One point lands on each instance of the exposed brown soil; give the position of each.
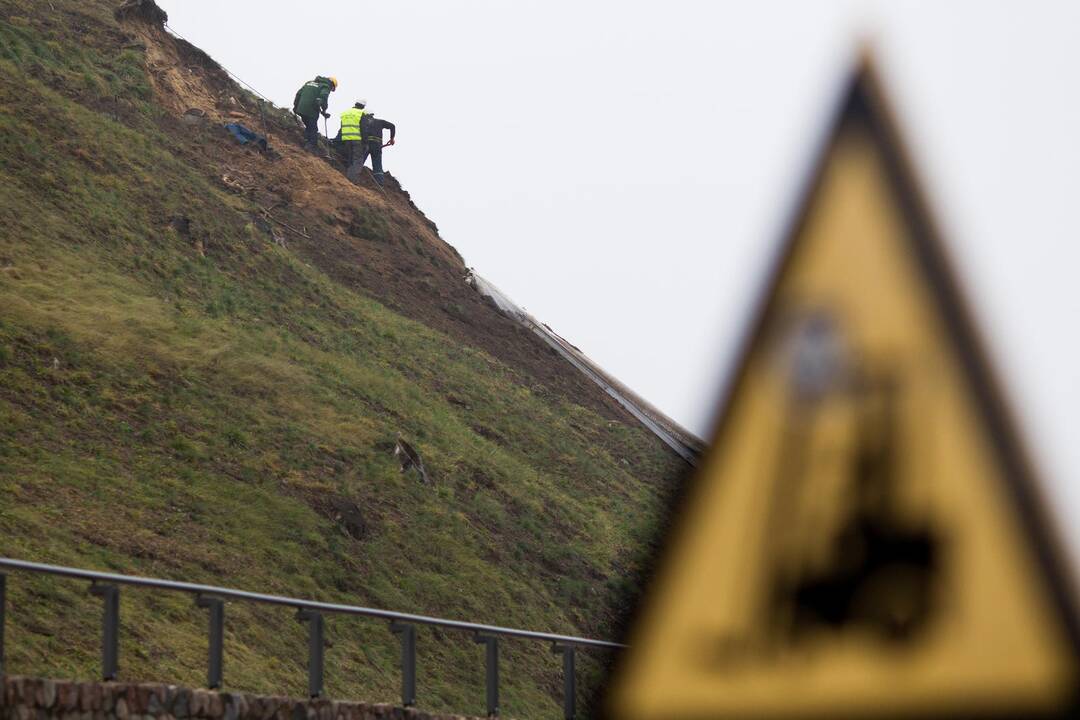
(372, 239)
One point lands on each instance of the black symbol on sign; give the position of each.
(840, 551)
(881, 566)
(875, 567)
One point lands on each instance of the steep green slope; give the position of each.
(224, 411)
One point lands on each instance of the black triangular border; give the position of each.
(863, 102)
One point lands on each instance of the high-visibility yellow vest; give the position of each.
(350, 124)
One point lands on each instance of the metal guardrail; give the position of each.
(310, 612)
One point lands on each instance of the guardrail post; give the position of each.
(110, 629)
(316, 627)
(3, 611)
(216, 652)
(408, 661)
(569, 679)
(492, 671)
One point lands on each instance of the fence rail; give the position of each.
(310, 612)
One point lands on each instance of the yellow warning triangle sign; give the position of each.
(863, 539)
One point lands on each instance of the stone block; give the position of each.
(67, 695)
(181, 704)
(89, 697)
(13, 691)
(228, 706)
(200, 703)
(244, 707)
(143, 693)
(32, 694)
(27, 690)
(131, 694)
(108, 697)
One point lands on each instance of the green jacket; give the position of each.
(312, 98)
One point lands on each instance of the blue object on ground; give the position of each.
(244, 136)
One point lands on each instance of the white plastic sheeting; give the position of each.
(497, 296)
(688, 446)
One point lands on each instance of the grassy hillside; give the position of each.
(189, 390)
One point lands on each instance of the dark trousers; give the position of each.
(354, 159)
(311, 131)
(374, 149)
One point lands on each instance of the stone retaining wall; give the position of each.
(26, 698)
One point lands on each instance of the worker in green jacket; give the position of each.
(353, 139)
(310, 102)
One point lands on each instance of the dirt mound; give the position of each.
(371, 238)
(145, 10)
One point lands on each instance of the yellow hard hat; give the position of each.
(333, 82)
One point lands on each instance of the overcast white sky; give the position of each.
(622, 169)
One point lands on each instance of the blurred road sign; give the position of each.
(863, 538)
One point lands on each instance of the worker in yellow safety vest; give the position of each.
(353, 139)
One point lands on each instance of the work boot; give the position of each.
(379, 178)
